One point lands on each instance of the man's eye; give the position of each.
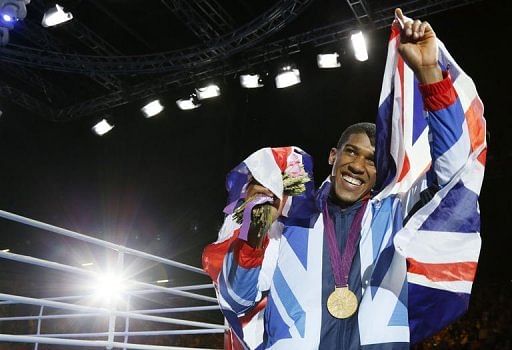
(370, 162)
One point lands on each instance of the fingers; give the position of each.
(412, 31)
(422, 28)
(407, 30)
(415, 27)
(399, 15)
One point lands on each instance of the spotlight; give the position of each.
(251, 81)
(55, 15)
(288, 76)
(10, 12)
(102, 127)
(208, 91)
(328, 60)
(188, 103)
(152, 108)
(359, 45)
(109, 287)
(13, 10)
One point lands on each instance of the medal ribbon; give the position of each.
(341, 264)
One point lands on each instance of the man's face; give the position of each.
(353, 173)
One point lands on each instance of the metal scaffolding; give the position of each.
(198, 63)
(243, 38)
(208, 20)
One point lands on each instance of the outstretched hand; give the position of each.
(418, 48)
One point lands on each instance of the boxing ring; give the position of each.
(116, 314)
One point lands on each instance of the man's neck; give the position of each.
(333, 199)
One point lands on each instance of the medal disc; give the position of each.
(342, 303)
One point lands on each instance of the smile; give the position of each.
(352, 180)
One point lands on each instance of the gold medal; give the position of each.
(342, 303)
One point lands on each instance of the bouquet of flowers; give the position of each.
(294, 184)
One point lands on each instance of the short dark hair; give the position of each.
(359, 128)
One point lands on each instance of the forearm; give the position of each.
(430, 74)
(450, 144)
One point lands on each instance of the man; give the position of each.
(354, 267)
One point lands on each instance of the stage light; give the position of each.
(328, 60)
(162, 281)
(251, 81)
(55, 15)
(288, 76)
(102, 127)
(359, 45)
(188, 103)
(208, 91)
(6, 250)
(13, 10)
(10, 12)
(109, 287)
(152, 108)
(87, 264)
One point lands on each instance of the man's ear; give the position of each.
(332, 156)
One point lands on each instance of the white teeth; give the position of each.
(351, 180)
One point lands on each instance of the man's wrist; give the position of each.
(438, 95)
(430, 74)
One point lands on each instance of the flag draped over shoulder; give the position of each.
(266, 166)
(441, 241)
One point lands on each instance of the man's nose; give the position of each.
(357, 165)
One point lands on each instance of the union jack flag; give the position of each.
(420, 272)
(441, 241)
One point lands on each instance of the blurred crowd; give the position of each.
(486, 325)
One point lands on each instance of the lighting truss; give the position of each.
(360, 9)
(214, 68)
(243, 38)
(206, 19)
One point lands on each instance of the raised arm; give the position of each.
(418, 48)
(441, 240)
(451, 137)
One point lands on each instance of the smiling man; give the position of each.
(354, 171)
(383, 254)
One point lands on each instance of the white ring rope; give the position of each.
(65, 306)
(133, 292)
(135, 289)
(72, 269)
(97, 241)
(93, 343)
(155, 311)
(133, 333)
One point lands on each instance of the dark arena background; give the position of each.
(156, 184)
